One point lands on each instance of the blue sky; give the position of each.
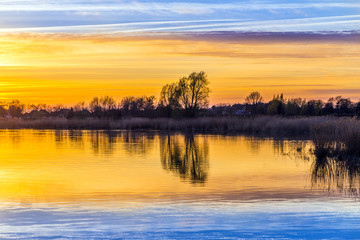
(171, 16)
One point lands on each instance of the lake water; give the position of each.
(147, 185)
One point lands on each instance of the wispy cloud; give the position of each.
(336, 23)
(162, 7)
(182, 15)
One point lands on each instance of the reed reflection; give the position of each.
(339, 175)
(333, 174)
(185, 156)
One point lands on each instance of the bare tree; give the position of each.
(80, 106)
(127, 103)
(95, 104)
(169, 97)
(16, 108)
(107, 103)
(254, 98)
(194, 92)
(149, 103)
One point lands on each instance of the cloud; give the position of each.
(335, 23)
(91, 16)
(162, 7)
(88, 13)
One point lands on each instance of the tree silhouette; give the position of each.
(276, 106)
(107, 103)
(169, 97)
(194, 92)
(254, 98)
(16, 108)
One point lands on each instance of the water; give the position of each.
(115, 185)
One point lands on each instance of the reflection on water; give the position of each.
(185, 156)
(336, 175)
(148, 185)
(104, 142)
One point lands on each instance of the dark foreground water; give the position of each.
(115, 185)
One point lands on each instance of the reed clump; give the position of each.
(338, 138)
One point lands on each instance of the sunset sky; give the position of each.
(68, 51)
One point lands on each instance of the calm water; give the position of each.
(113, 185)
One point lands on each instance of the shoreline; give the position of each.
(262, 125)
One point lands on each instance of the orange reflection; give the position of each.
(72, 166)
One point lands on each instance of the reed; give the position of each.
(339, 138)
(227, 125)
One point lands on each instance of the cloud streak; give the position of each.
(163, 7)
(336, 23)
(123, 16)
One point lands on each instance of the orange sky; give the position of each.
(67, 68)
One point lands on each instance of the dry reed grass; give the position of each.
(337, 138)
(227, 125)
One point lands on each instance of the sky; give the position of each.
(68, 51)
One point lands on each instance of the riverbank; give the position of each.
(228, 125)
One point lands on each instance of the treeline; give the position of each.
(188, 97)
(185, 98)
(338, 106)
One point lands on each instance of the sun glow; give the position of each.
(4, 63)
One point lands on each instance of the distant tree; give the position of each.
(3, 112)
(138, 106)
(140, 103)
(319, 107)
(80, 106)
(293, 106)
(276, 105)
(343, 105)
(169, 97)
(357, 108)
(149, 103)
(127, 103)
(38, 114)
(107, 103)
(32, 107)
(71, 113)
(194, 92)
(309, 108)
(42, 106)
(16, 108)
(254, 98)
(95, 107)
(57, 108)
(95, 104)
(329, 107)
(261, 108)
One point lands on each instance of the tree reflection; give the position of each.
(137, 142)
(105, 142)
(185, 156)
